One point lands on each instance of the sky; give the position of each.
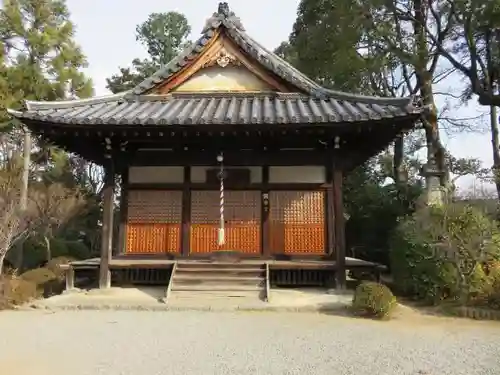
(106, 32)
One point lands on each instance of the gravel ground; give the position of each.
(192, 343)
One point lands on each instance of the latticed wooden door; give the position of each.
(242, 213)
(297, 222)
(154, 221)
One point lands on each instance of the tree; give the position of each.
(54, 206)
(326, 43)
(15, 224)
(471, 49)
(369, 47)
(475, 29)
(39, 60)
(43, 62)
(164, 35)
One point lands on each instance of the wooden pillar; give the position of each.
(330, 208)
(339, 223)
(265, 222)
(70, 278)
(186, 213)
(107, 226)
(122, 231)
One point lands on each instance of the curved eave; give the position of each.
(232, 109)
(32, 109)
(32, 105)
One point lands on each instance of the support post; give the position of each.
(340, 250)
(330, 208)
(70, 278)
(186, 213)
(122, 230)
(266, 223)
(107, 226)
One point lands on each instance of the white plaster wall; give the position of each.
(198, 174)
(155, 175)
(297, 174)
(230, 78)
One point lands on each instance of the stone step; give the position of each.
(215, 277)
(220, 265)
(219, 270)
(219, 280)
(196, 295)
(215, 287)
(217, 283)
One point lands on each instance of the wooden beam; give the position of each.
(236, 186)
(339, 229)
(107, 226)
(233, 158)
(363, 138)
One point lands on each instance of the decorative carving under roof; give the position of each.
(222, 58)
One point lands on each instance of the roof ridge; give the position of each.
(172, 66)
(367, 99)
(224, 17)
(60, 104)
(319, 91)
(251, 40)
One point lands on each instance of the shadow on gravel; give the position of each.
(405, 312)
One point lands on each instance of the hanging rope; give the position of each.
(222, 237)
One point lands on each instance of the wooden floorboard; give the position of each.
(123, 262)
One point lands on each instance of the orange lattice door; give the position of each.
(154, 222)
(242, 213)
(297, 222)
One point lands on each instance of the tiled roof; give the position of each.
(186, 109)
(315, 104)
(233, 27)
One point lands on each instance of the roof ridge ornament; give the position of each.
(223, 16)
(223, 9)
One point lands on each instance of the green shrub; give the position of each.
(35, 254)
(439, 252)
(46, 281)
(39, 276)
(493, 299)
(373, 300)
(16, 291)
(73, 249)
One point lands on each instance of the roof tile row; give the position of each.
(234, 109)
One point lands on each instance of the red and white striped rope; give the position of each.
(222, 237)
